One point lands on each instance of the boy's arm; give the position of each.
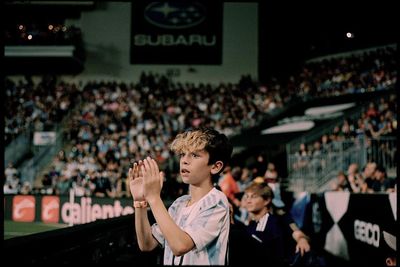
(144, 236)
(179, 241)
(301, 239)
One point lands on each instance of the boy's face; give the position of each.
(254, 202)
(194, 168)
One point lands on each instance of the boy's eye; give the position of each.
(193, 155)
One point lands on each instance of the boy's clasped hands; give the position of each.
(145, 181)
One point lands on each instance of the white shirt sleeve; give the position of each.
(155, 228)
(207, 225)
(156, 232)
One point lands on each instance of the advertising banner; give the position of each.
(176, 32)
(353, 225)
(63, 209)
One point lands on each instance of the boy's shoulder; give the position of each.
(217, 193)
(214, 198)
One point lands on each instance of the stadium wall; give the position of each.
(106, 34)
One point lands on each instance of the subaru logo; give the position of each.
(175, 15)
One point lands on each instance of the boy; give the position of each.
(195, 229)
(263, 226)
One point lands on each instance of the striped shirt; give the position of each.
(206, 222)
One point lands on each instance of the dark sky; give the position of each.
(291, 33)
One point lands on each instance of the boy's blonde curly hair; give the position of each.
(216, 144)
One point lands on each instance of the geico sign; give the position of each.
(84, 212)
(367, 232)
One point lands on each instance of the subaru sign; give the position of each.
(174, 15)
(176, 32)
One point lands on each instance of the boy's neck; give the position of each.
(256, 216)
(197, 192)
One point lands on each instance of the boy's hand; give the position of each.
(152, 179)
(135, 177)
(303, 246)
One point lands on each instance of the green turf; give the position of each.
(14, 229)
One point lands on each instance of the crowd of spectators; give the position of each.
(37, 107)
(371, 179)
(12, 182)
(119, 123)
(358, 73)
(377, 121)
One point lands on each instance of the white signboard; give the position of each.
(44, 138)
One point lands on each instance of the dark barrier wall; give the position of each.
(63, 209)
(350, 226)
(110, 242)
(347, 226)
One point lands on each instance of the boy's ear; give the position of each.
(217, 167)
(267, 201)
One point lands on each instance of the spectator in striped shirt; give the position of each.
(195, 228)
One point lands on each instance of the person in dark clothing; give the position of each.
(103, 186)
(263, 227)
(294, 239)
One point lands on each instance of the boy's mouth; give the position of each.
(183, 171)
